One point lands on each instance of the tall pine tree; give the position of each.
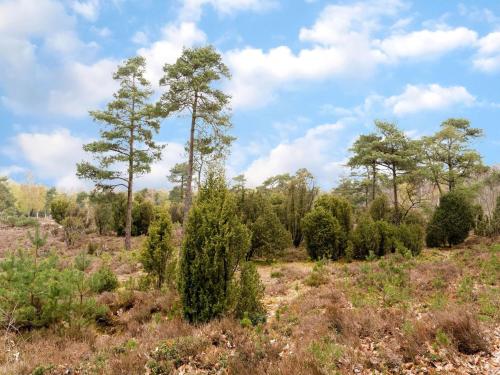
(189, 82)
(126, 148)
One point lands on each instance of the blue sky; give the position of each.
(308, 76)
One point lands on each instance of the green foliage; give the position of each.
(7, 200)
(322, 234)
(215, 242)
(412, 237)
(452, 220)
(59, 208)
(300, 194)
(269, 236)
(447, 156)
(341, 209)
(318, 275)
(103, 212)
(250, 294)
(142, 214)
(36, 294)
(158, 248)
(103, 280)
(191, 84)
(365, 238)
(73, 227)
(380, 208)
(130, 123)
(386, 237)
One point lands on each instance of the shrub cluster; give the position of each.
(40, 293)
(452, 221)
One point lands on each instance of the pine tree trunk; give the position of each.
(395, 191)
(374, 180)
(128, 219)
(189, 182)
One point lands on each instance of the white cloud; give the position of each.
(343, 25)
(314, 151)
(29, 31)
(344, 46)
(488, 56)
(169, 48)
(426, 43)
(87, 9)
(84, 88)
(418, 98)
(52, 155)
(191, 9)
(257, 74)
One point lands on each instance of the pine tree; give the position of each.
(215, 242)
(158, 248)
(189, 82)
(127, 140)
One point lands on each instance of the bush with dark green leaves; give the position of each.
(365, 238)
(452, 220)
(215, 241)
(103, 280)
(158, 248)
(269, 236)
(60, 208)
(322, 234)
(251, 291)
(387, 234)
(341, 209)
(411, 236)
(142, 214)
(380, 208)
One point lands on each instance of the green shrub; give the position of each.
(380, 208)
(412, 237)
(322, 234)
(251, 292)
(341, 209)
(59, 208)
(73, 227)
(142, 214)
(103, 217)
(158, 248)
(269, 236)
(452, 220)
(42, 293)
(103, 280)
(365, 238)
(215, 241)
(387, 233)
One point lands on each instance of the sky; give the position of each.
(308, 76)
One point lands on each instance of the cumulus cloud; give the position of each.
(85, 88)
(488, 56)
(87, 9)
(54, 155)
(30, 30)
(416, 98)
(344, 45)
(426, 43)
(315, 151)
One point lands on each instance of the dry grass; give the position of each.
(389, 316)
